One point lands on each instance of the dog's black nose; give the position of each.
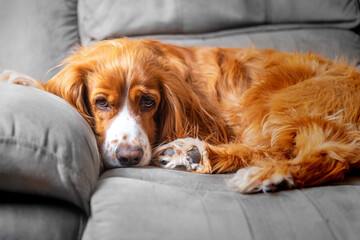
(129, 155)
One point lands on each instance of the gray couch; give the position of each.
(50, 186)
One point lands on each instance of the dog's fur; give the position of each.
(276, 118)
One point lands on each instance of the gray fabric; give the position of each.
(153, 203)
(36, 35)
(36, 219)
(328, 42)
(46, 147)
(101, 19)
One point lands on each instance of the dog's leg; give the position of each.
(324, 149)
(311, 153)
(194, 155)
(21, 79)
(255, 165)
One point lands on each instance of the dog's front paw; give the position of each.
(183, 154)
(256, 179)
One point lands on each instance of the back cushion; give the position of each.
(37, 35)
(102, 19)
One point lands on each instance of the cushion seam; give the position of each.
(248, 30)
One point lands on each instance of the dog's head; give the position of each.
(135, 94)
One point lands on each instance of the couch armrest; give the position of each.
(46, 147)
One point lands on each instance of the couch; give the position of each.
(51, 186)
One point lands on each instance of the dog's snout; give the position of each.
(129, 155)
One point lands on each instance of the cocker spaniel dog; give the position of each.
(274, 118)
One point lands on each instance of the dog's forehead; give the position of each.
(117, 87)
(106, 81)
(118, 68)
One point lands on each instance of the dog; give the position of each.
(276, 119)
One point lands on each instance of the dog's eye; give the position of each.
(146, 103)
(102, 104)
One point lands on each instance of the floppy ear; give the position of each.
(70, 84)
(182, 113)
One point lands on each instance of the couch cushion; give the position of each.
(99, 19)
(328, 42)
(46, 147)
(39, 218)
(36, 35)
(153, 203)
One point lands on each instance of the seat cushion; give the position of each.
(154, 203)
(46, 147)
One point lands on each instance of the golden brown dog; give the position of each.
(276, 118)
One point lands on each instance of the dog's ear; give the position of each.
(183, 112)
(70, 84)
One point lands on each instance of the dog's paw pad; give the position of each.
(194, 155)
(169, 152)
(181, 154)
(164, 162)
